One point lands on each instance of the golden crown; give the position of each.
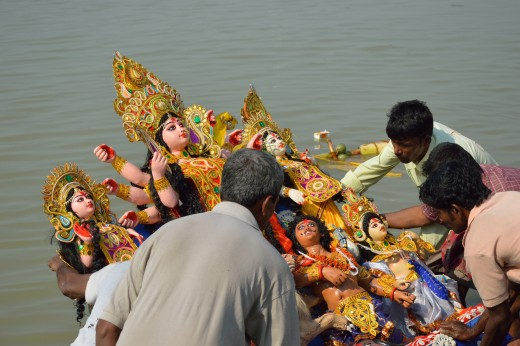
(355, 208)
(257, 119)
(55, 190)
(142, 98)
(202, 142)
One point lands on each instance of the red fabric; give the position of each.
(280, 235)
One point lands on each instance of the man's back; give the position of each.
(492, 246)
(209, 279)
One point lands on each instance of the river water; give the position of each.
(337, 65)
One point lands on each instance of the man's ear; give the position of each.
(456, 209)
(427, 141)
(265, 205)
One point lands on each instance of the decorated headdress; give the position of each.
(202, 142)
(256, 119)
(355, 209)
(142, 98)
(55, 190)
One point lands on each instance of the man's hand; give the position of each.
(55, 263)
(456, 330)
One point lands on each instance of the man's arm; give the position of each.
(107, 333)
(407, 218)
(497, 325)
(371, 171)
(70, 282)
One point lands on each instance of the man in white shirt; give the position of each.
(413, 134)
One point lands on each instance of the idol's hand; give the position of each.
(404, 298)
(83, 233)
(297, 196)
(255, 142)
(158, 164)
(334, 275)
(290, 261)
(105, 153)
(133, 233)
(111, 186)
(402, 284)
(129, 219)
(235, 137)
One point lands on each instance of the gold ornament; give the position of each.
(161, 184)
(118, 164)
(355, 208)
(123, 191)
(202, 141)
(359, 310)
(54, 193)
(142, 217)
(142, 98)
(256, 119)
(86, 249)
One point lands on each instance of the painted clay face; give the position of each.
(307, 233)
(82, 205)
(274, 144)
(376, 229)
(175, 135)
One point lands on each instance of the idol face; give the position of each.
(175, 134)
(307, 233)
(274, 144)
(377, 229)
(82, 205)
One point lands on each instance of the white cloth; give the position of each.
(100, 287)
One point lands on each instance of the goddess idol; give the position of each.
(402, 258)
(87, 231)
(182, 170)
(306, 188)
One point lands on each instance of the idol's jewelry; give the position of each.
(142, 217)
(86, 249)
(161, 184)
(118, 164)
(123, 191)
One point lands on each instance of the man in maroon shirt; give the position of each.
(496, 178)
